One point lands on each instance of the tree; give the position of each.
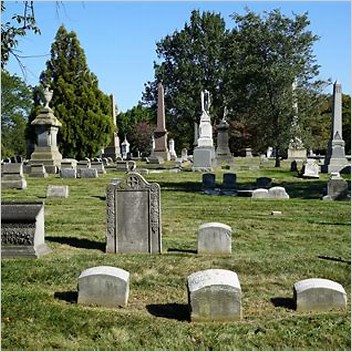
(141, 138)
(264, 56)
(16, 102)
(190, 64)
(83, 109)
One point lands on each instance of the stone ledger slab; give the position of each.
(214, 238)
(22, 230)
(214, 295)
(105, 286)
(133, 216)
(318, 295)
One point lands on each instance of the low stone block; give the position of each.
(22, 230)
(99, 166)
(319, 295)
(214, 238)
(208, 181)
(68, 173)
(264, 182)
(337, 188)
(214, 295)
(260, 193)
(278, 193)
(38, 170)
(88, 173)
(12, 176)
(57, 191)
(229, 181)
(105, 286)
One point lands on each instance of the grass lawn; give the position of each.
(269, 253)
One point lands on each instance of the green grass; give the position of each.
(270, 253)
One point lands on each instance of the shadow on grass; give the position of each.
(77, 242)
(181, 186)
(68, 296)
(284, 302)
(100, 197)
(177, 250)
(339, 259)
(174, 311)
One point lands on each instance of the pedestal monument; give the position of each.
(204, 153)
(46, 126)
(335, 158)
(223, 153)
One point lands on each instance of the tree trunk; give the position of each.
(277, 157)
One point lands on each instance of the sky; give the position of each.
(119, 38)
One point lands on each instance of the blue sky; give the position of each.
(119, 38)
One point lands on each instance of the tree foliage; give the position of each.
(83, 109)
(190, 63)
(16, 102)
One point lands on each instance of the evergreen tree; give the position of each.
(16, 102)
(84, 110)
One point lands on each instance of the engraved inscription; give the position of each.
(17, 234)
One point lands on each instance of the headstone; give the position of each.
(12, 176)
(131, 165)
(173, 155)
(160, 134)
(310, 169)
(293, 166)
(68, 173)
(278, 193)
(248, 152)
(38, 170)
(46, 126)
(319, 295)
(88, 173)
(204, 153)
(121, 165)
(22, 230)
(264, 182)
(208, 181)
(113, 150)
(105, 161)
(260, 193)
(105, 286)
(133, 216)
(214, 295)
(229, 181)
(335, 158)
(125, 148)
(276, 212)
(68, 163)
(214, 238)
(223, 153)
(99, 166)
(184, 155)
(57, 191)
(337, 188)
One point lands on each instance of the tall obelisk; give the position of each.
(160, 134)
(335, 158)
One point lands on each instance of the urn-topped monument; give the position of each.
(46, 126)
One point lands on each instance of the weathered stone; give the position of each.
(88, 173)
(319, 295)
(223, 153)
(22, 230)
(203, 159)
(68, 173)
(12, 176)
(214, 238)
(278, 193)
(57, 191)
(184, 155)
(276, 212)
(38, 170)
(229, 181)
(337, 187)
(264, 182)
(208, 181)
(248, 152)
(173, 155)
(214, 295)
(99, 166)
(68, 163)
(105, 286)
(260, 193)
(133, 216)
(293, 166)
(310, 169)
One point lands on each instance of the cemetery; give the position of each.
(167, 227)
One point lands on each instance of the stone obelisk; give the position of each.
(113, 150)
(46, 126)
(335, 158)
(160, 134)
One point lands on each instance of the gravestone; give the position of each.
(105, 286)
(131, 165)
(319, 295)
(229, 187)
(260, 193)
(57, 191)
(68, 173)
(121, 165)
(248, 152)
(269, 152)
(223, 153)
(12, 176)
(22, 230)
(310, 169)
(337, 188)
(214, 238)
(264, 182)
(88, 173)
(208, 181)
(214, 295)
(68, 163)
(99, 166)
(278, 193)
(38, 170)
(184, 155)
(125, 148)
(173, 155)
(293, 166)
(133, 216)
